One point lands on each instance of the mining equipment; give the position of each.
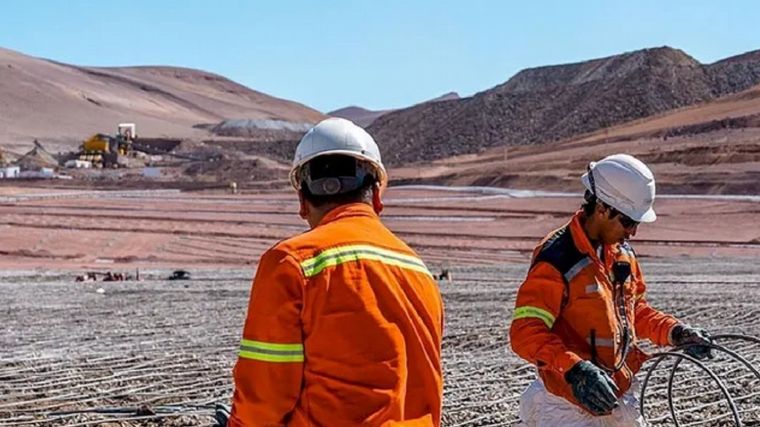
(109, 151)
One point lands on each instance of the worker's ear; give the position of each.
(377, 201)
(303, 209)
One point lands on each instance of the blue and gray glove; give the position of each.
(592, 387)
(690, 339)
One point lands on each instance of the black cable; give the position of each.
(714, 346)
(659, 357)
(666, 354)
(737, 337)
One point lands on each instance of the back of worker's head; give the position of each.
(336, 179)
(337, 162)
(337, 136)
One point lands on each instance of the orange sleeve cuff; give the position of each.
(566, 360)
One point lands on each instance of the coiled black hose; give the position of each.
(659, 357)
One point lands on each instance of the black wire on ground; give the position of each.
(659, 357)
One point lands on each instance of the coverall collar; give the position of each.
(580, 238)
(347, 210)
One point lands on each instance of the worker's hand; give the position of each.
(592, 387)
(696, 342)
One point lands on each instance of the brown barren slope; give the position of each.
(713, 147)
(546, 104)
(62, 104)
(121, 230)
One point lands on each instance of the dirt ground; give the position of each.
(723, 161)
(159, 353)
(125, 230)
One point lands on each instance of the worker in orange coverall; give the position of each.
(345, 321)
(583, 307)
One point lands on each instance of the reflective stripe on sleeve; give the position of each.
(538, 313)
(343, 254)
(271, 352)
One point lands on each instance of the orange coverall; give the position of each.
(567, 302)
(344, 329)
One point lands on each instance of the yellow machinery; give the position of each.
(103, 150)
(98, 143)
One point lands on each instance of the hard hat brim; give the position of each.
(648, 216)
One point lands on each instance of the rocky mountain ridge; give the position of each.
(545, 104)
(364, 117)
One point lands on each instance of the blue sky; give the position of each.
(376, 54)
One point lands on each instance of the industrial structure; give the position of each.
(103, 150)
(9, 172)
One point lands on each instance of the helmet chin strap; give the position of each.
(591, 179)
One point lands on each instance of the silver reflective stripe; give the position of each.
(592, 288)
(602, 342)
(570, 275)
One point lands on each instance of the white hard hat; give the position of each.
(625, 183)
(337, 136)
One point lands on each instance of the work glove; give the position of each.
(592, 388)
(221, 414)
(691, 338)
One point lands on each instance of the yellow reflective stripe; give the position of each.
(271, 345)
(270, 357)
(528, 311)
(342, 254)
(270, 352)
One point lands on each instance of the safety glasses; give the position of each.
(626, 221)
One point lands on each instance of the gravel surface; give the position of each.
(160, 353)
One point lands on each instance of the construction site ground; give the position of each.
(159, 353)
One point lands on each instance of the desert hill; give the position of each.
(364, 117)
(710, 147)
(61, 104)
(545, 104)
